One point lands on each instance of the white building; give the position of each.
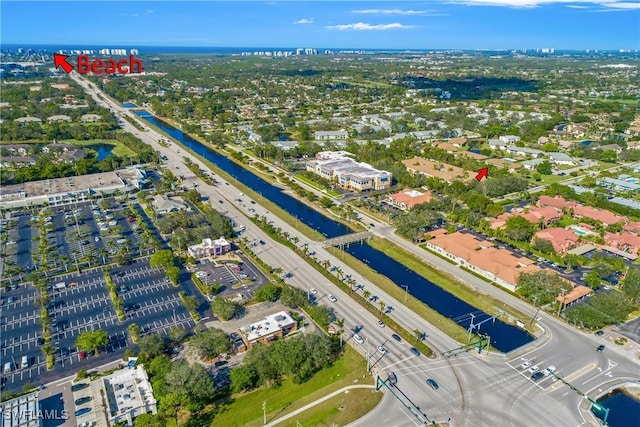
(523, 151)
(509, 139)
(561, 158)
(163, 204)
(349, 173)
(209, 247)
(323, 135)
(23, 411)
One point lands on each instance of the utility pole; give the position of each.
(406, 292)
(561, 303)
(368, 359)
(264, 412)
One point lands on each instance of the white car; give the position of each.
(534, 368)
(358, 339)
(201, 274)
(525, 365)
(381, 349)
(550, 370)
(381, 323)
(332, 298)
(313, 291)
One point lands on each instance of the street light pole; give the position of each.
(406, 292)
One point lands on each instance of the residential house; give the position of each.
(17, 149)
(458, 142)
(556, 202)
(560, 158)
(209, 247)
(524, 151)
(72, 156)
(501, 163)
(561, 239)
(28, 119)
(604, 216)
(424, 134)
(163, 204)
(625, 242)
(90, 118)
(509, 139)
(497, 144)
(481, 257)
(614, 147)
(405, 200)
(269, 329)
(323, 135)
(533, 163)
(56, 148)
(617, 184)
(59, 118)
(437, 169)
(17, 161)
(284, 145)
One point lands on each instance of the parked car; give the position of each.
(525, 365)
(432, 383)
(534, 368)
(599, 333)
(550, 370)
(537, 376)
(82, 411)
(83, 400)
(80, 386)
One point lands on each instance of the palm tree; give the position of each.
(418, 334)
(350, 281)
(382, 305)
(295, 240)
(366, 294)
(339, 273)
(326, 264)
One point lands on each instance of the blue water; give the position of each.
(129, 105)
(624, 410)
(103, 150)
(504, 337)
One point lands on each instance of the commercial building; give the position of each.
(163, 204)
(118, 398)
(405, 200)
(348, 173)
(481, 257)
(272, 327)
(24, 411)
(60, 191)
(209, 247)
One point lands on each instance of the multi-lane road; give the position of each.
(474, 389)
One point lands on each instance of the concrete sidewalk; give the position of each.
(316, 402)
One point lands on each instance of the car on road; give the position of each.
(599, 333)
(220, 201)
(97, 238)
(332, 298)
(83, 400)
(372, 224)
(262, 242)
(313, 291)
(534, 368)
(80, 386)
(82, 411)
(415, 351)
(537, 376)
(550, 370)
(82, 355)
(432, 383)
(358, 339)
(600, 348)
(382, 350)
(525, 365)
(381, 323)
(396, 337)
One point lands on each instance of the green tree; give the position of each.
(268, 292)
(177, 334)
(543, 245)
(518, 228)
(544, 168)
(210, 343)
(92, 341)
(608, 156)
(243, 378)
(541, 286)
(224, 308)
(162, 259)
(631, 284)
(152, 345)
(191, 303)
(293, 297)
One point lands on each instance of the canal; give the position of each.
(504, 337)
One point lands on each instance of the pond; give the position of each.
(624, 409)
(103, 150)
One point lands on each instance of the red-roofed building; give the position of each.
(574, 295)
(604, 216)
(407, 199)
(625, 242)
(482, 257)
(632, 227)
(561, 239)
(557, 202)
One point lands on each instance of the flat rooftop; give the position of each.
(64, 185)
(267, 326)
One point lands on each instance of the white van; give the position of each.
(25, 362)
(60, 285)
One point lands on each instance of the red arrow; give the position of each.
(61, 61)
(482, 173)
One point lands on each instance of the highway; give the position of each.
(474, 389)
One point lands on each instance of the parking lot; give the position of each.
(84, 304)
(235, 278)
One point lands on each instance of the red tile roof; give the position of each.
(574, 294)
(561, 239)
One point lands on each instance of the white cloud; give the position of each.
(361, 26)
(614, 4)
(304, 21)
(392, 12)
(148, 11)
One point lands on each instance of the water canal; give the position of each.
(504, 337)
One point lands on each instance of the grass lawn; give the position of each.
(246, 409)
(318, 187)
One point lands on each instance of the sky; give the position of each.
(434, 24)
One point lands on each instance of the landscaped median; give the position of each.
(115, 299)
(191, 304)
